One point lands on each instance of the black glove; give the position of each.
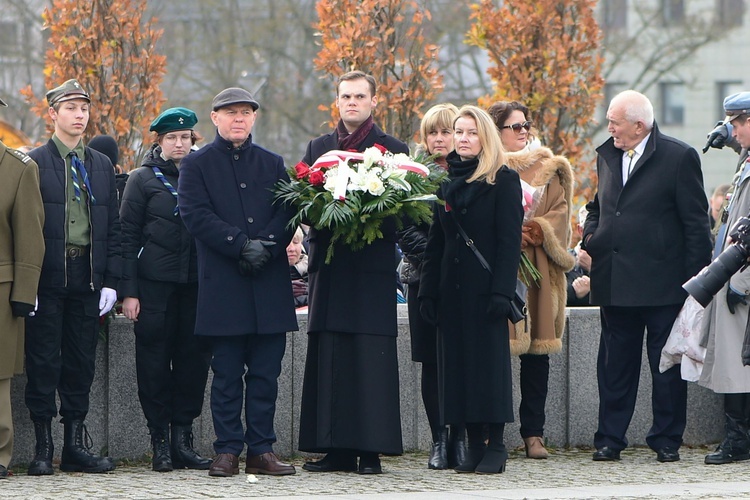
(734, 298)
(498, 307)
(21, 309)
(254, 256)
(718, 137)
(428, 310)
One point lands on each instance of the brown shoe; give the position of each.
(224, 465)
(535, 447)
(268, 463)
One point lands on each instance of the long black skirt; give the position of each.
(422, 334)
(350, 394)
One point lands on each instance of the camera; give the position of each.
(707, 283)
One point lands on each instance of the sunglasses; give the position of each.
(518, 126)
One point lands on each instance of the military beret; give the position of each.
(67, 91)
(736, 105)
(174, 119)
(233, 95)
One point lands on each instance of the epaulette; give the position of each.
(20, 155)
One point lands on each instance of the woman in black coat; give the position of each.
(470, 304)
(160, 289)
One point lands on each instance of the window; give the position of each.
(9, 40)
(672, 12)
(614, 15)
(723, 90)
(730, 12)
(672, 103)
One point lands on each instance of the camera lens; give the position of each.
(707, 283)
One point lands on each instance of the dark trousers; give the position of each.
(534, 379)
(170, 360)
(262, 355)
(61, 346)
(618, 372)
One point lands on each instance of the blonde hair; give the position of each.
(437, 117)
(492, 156)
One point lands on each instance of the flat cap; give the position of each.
(66, 92)
(736, 105)
(233, 95)
(174, 119)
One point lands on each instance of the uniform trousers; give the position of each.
(258, 358)
(61, 346)
(618, 373)
(534, 381)
(6, 424)
(171, 361)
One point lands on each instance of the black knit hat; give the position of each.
(106, 144)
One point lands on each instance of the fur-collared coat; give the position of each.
(542, 332)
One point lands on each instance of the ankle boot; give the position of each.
(535, 447)
(476, 450)
(76, 452)
(496, 455)
(736, 444)
(456, 446)
(41, 465)
(183, 454)
(439, 452)
(162, 459)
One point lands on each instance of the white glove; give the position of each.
(107, 300)
(36, 306)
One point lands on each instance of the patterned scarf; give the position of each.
(351, 142)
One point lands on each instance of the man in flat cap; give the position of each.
(245, 301)
(21, 255)
(159, 287)
(77, 285)
(724, 371)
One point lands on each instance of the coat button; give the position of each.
(614, 250)
(236, 156)
(463, 211)
(271, 236)
(230, 238)
(617, 214)
(458, 286)
(243, 185)
(250, 220)
(455, 260)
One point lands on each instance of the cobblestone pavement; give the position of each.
(566, 474)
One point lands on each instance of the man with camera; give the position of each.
(647, 233)
(726, 317)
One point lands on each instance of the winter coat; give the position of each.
(542, 332)
(651, 235)
(473, 347)
(226, 198)
(723, 371)
(156, 245)
(103, 216)
(21, 250)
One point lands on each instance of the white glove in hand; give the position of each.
(36, 306)
(107, 300)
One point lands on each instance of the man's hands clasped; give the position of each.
(254, 256)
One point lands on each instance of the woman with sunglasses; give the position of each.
(545, 240)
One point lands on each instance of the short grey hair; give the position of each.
(637, 107)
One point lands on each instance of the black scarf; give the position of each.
(351, 142)
(457, 192)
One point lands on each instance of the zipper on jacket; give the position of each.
(91, 235)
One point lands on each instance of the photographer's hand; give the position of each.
(734, 299)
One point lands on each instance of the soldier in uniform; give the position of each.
(21, 254)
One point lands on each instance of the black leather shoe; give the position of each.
(333, 462)
(606, 454)
(667, 454)
(369, 463)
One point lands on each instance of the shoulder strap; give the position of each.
(470, 244)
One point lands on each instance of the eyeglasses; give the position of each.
(518, 126)
(172, 139)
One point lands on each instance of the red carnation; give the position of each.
(317, 178)
(381, 148)
(302, 169)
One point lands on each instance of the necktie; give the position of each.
(76, 168)
(159, 175)
(631, 154)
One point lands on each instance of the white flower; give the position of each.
(372, 156)
(331, 175)
(374, 185)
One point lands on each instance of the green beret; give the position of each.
(174, 119)
(66, 92)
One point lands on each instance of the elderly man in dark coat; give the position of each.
(21, 255)
(245, 301)
(647, 233)
(350, 398)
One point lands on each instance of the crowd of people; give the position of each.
(210, 272)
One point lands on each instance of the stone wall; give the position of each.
(118, 427)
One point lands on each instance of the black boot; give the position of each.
(183, 454)
(456, 446)
(76, 454)
(162, 459)
(439, 452)
(477, 448)
(496, 454)
(736, 444)
(41, 465)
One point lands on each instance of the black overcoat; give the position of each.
(651, 235)
(473, 349)
(225, 197)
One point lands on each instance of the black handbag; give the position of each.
(518, 309)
